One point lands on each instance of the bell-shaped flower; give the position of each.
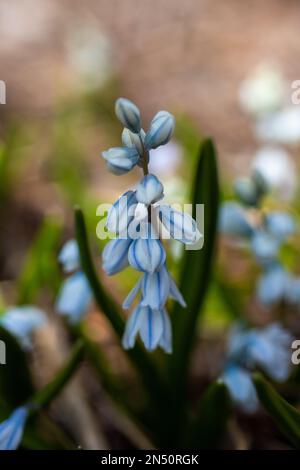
(273, 285)
(129, 114)
(120, 160)
(147, 254)
(155, 289)
(264, 246)
(180, 225)
(280, 224)
(130, 139)
(161, 130)
(153, 326)
(233, 220)
(269, 348)
(69, 256)
(22, 321)
(122, 213)
(11, 430)
(115, 255)
(240, 386)
(74, 298)
(149, 190)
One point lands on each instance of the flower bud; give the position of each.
(149, 190)
(161, 130)
(129, 114)
(69, 256)
(121, 213)
(120, 160)
(146, 255)
(233, 220)
(131, 140)
(115, 255)
(180, 225)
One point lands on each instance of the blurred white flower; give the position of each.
(278, 169)
(263, 91)
(282, 126)
(89, 56)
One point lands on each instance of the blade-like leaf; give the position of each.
(285, 415)
(15, 380)
(214, 411)
(146, 368)
(195, 274)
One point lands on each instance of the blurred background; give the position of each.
(64, 62)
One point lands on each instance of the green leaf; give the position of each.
(146, 368)
(196, 264)
(44, 396)
(40, 268)
(15, 379)
(285, 416)
(214, 411)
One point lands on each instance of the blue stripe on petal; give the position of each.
(132, 294)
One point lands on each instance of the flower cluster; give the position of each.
(75, 295)
(265, 234)
(267, 348)
(138, 218)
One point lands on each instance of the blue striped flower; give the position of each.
(155, 289)
(122, 213)
(180, 225)
(129, 114)
(22, 321)
(137, 227)
(153, 326)
(132, 140)
(120, 160)
(161, 130)
(149, 190)
(115, 255)
(146, 255)
(11, 430)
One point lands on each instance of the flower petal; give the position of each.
(115, 255)
(132, 328)
(11, 430)
(146, 255)
(132, 294)
(122, 213)
(180, 225)
(151, 327)
(129, 114)
(149, 190)
(155, 289)
(161, 130)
